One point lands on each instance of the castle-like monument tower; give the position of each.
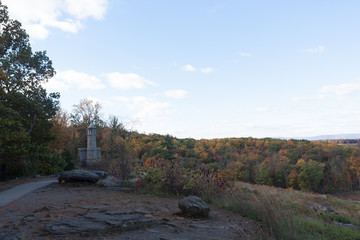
(91, 144)
(89, 155)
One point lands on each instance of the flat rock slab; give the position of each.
(9, 235)
(122, 221)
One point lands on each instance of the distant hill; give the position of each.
(334, 136)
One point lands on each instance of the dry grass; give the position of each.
(287, 214)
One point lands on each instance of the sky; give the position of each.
(205, 68)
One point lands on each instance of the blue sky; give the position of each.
(205, 68)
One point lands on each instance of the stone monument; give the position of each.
(87, 156)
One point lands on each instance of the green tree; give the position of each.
(311, 174)
(28, 107)
(264, 176)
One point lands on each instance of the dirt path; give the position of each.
(29, 215)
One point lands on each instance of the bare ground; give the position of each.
(29, 215)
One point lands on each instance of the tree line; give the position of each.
(317, 166)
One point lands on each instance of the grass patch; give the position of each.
(332, 217)
(317, 229)
(287, 215)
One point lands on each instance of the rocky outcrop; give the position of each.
(78, 176)
(324, 207)
(193, 206)
(111, 181)
(96, 221)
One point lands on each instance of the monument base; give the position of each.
(86, 157)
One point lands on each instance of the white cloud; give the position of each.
(103, 102)
(342, 90)
(178, 94)
(244, 54)
(188, 68)
(122, 99)
(37, 31)
(82, 80)
(317, 97)
(55, 84)
(63, 80)
(207, 70)
(82, 9)
(127, 80)
(147, 108)
(38, 16)
(261, 109)
(318, 49)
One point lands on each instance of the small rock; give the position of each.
(194, 206)
(314, 208)
(346, 225)
(30, 218)
(326, 208)
(143, 210)
(43, 209)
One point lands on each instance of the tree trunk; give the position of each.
(3, 172)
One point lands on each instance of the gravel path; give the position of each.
(12, 194)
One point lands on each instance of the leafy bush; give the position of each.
(43, 160)
(167, 177)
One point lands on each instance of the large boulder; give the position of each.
(78, 176)
(101, 174)
(194, 206)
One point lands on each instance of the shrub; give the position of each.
(167, 177)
